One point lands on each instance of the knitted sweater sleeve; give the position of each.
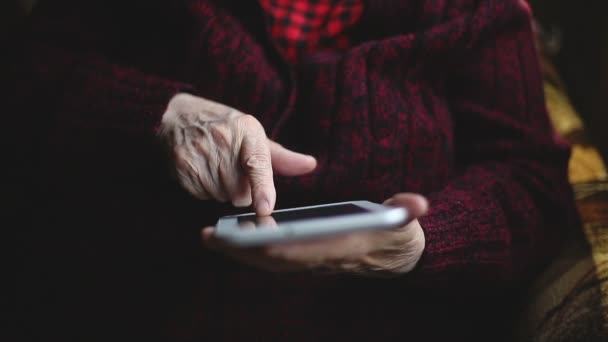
(502, 213)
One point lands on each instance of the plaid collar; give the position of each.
(303, 26)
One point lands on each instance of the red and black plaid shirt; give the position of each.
(303, 26)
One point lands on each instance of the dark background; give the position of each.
(583, 58)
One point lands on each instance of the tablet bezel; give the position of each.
(377, 217)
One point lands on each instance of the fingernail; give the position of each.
(262, 207)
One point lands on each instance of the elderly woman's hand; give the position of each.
(223, 154)
(376, 253)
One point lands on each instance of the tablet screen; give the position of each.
(302, 214)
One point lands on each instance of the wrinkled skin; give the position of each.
(222, 154)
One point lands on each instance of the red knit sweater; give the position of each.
(442, 98)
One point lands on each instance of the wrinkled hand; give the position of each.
(379, 253)
(224, 155)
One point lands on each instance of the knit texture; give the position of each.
(442, 98)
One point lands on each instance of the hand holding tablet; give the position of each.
(353, 237)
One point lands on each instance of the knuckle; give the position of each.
(258, 163)
(248, 122)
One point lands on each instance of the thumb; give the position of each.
(289, 163)
(255, 159)
(416, 204)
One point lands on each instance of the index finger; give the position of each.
(256, 161)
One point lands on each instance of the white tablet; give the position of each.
(308, 223)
